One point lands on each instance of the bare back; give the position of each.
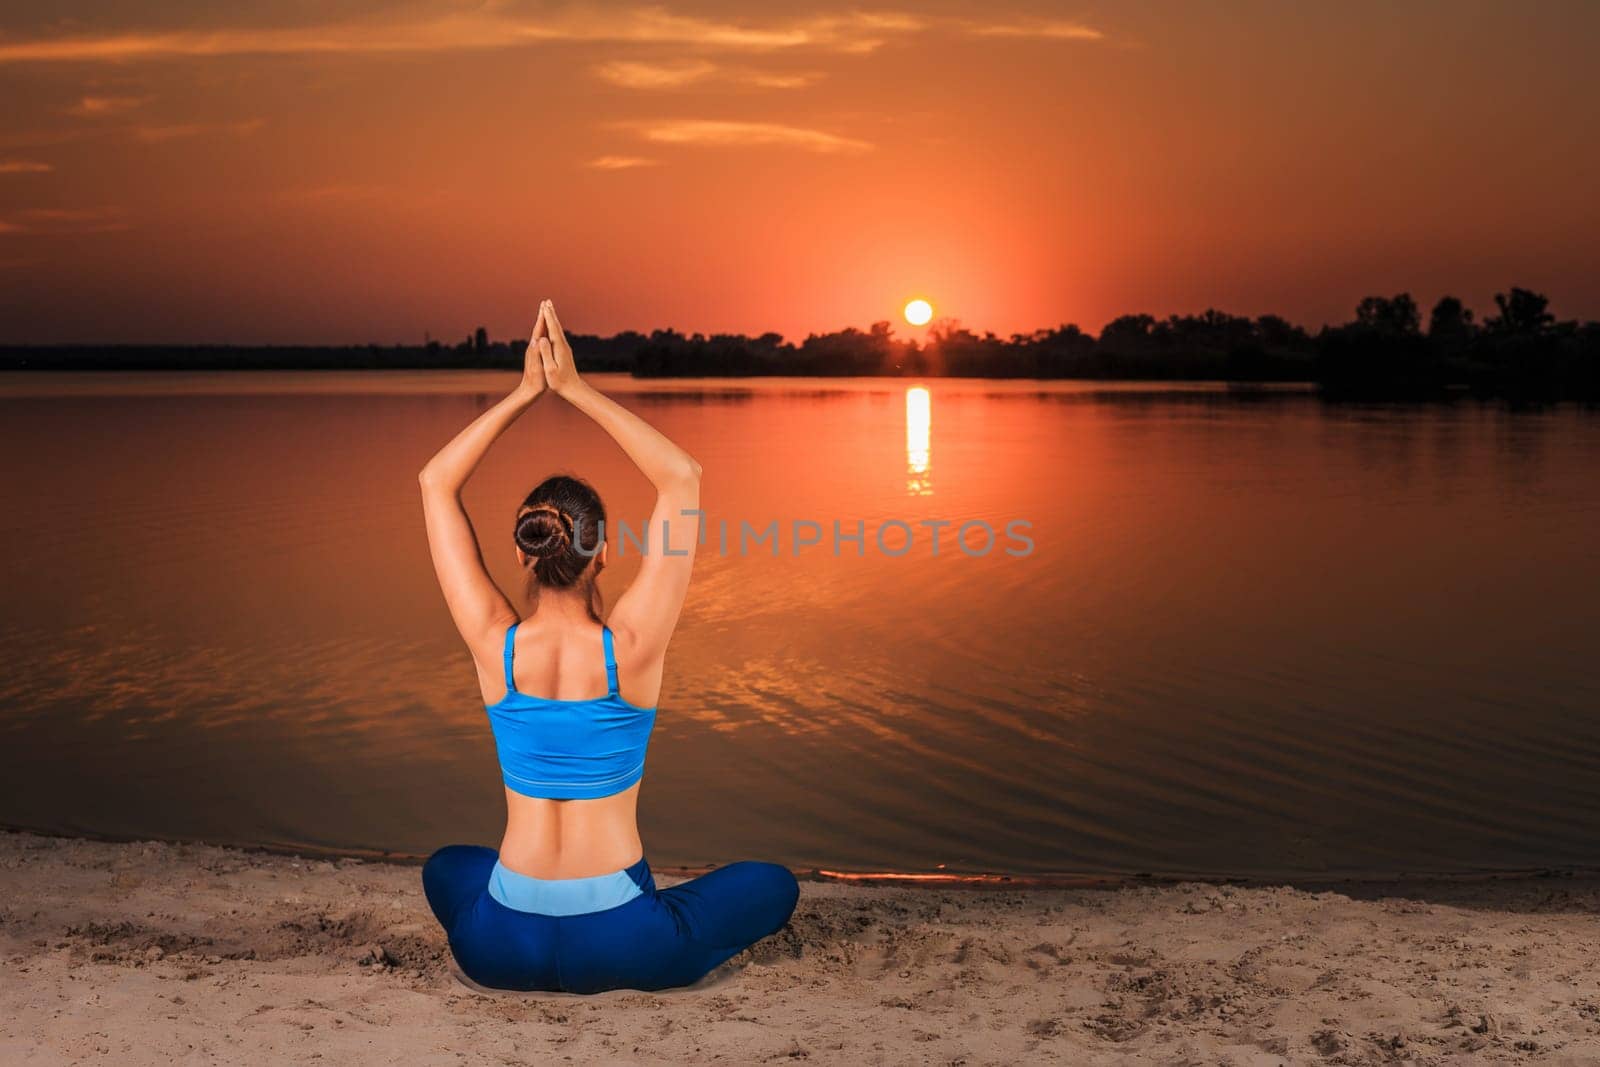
(557, 648)
(558, 656)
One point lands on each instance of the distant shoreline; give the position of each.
(441, 382)
(623, 354)
(1523, 355)
(31, 382)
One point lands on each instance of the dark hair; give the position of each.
(562, 515)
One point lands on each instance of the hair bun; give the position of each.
(543, 531)
(560, 528)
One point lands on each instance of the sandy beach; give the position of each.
(171, 953)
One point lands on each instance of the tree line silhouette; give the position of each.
(1519, 353)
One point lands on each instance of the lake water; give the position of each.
(1255, 635)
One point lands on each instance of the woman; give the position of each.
(568, 903)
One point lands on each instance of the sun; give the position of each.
(918, 312)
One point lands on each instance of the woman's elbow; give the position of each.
(680, 480)
(687, 473)
(431, 480)
(684, 472)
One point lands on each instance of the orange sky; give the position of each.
(346, 172)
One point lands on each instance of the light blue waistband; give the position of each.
(561, 896)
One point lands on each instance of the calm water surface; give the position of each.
(1255, 636)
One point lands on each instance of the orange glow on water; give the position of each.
(919, 438)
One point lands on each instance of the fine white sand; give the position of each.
(156, 953)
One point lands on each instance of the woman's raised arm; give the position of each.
(646, 614)
(476, 604)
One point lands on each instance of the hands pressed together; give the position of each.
(548, 363)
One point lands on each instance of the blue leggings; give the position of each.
(657, 940)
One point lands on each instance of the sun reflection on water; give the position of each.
(919, 424)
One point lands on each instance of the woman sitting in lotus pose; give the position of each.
(568, 902)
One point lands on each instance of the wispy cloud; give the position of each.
(621, 162)
(24, 166)
(718, 133)
(667, 76)
(56, 220)
(29, 139)
(655, 75)
(94, 107)
(773, 80)
(856, 31)
(1043, 29)
(178, 131)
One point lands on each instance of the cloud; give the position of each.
(855, 32)
(94, 107)
(772, 80)
(655, 75)
(621, 162)
(178, 131)
(24, 166)
(667, 76)
(19, 139)
(718, 133)
(57, 220)
(1046, 29)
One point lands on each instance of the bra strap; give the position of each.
(511, 636)
(611, 660)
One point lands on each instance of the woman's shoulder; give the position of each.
(487, 645)
(636, 652)
(624, 638)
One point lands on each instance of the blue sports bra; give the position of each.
(569, 749)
